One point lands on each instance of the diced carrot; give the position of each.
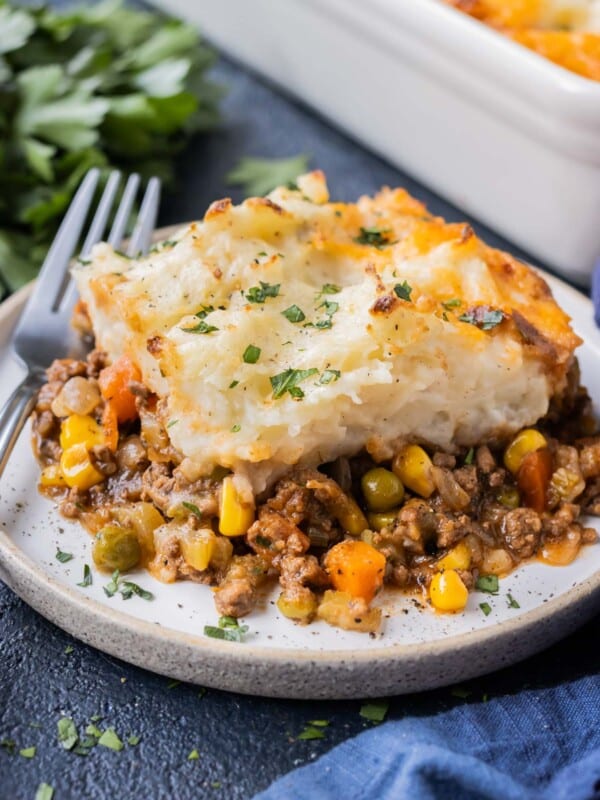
(355, 567)
(114, 385)
(110, 426)
(533, 479)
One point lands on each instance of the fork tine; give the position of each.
(95, 233)
(142, 233)
(65, 242)
(122, 216)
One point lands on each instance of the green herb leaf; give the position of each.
(27, 752)
(236, 428)
(375, 237)
(110, 740)
(487, 583)
(112, 586)
(44, 792)
(62, 556)
(204, 312)
(294, 314)
(403, 290)
(483, 317)
(258, 294)
(69, 649)
(230, 632)
(128, 589)
(133, 740)
(87, 577)
(454, 302)
(67, 733)
(251, 354)
(201, 328)
(329, 288)
(470, 456)
(310, 733)
(258, 176)
(329, 375)
(512, 603)
(193, 755)
(375, 711)
(288, 380)
(172, 422)
(233, 384)
(173, 684)
(319, 723)
(9, 745)
(93, 730)
(486, 608)
(193, 508)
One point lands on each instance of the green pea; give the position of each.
(382, 519)
(116, 548)
(382, 489)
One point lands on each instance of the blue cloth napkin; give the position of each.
(541, 744)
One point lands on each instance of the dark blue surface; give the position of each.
(243, 743)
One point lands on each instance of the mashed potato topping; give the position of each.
(291, 330)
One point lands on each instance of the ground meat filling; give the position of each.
(473, 501)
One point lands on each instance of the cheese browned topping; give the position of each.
(292, 330)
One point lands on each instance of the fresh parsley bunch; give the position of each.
(95, 85)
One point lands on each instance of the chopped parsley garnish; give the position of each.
(229, 629)
(294, 314)
(194, 755)
(110, 739)
(487, 583)
(454, 302)
(67, 733)
(329, 288)
(311, 732)
(263, 541)
(113, 585)
(259, 176)
(512, 603)
(292, 186)
(62, 556)
(469, 457)
(173, 684)
(69, 649)
(236, 428)
(319, 723)
(483, 317)
(27, 752)
(9, 745)
(258, 294)
(93, 730)
(87, 577)
(251, 354)
(126, 588)
(331, 308)
(375, 711)
(204, 311)
(486, 608)
(44, 792)
(133, 740)
(201, 327)
(262, 254)
(376, 237)
(288, 380)
(403, 291)
(328, 376)
(193, 508)
(172, 422)
(233, 384)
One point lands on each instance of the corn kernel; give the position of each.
(52, 477)
(457, 558)
(448, 592)
(77, 468)
(527, 441)
(80, 429)
(197, 548)
(413, 466)
(234, 517)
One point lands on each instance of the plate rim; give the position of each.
(58, 600)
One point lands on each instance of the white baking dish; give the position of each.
(501, 132)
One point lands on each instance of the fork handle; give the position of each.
(15, 412)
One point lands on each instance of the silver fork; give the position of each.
(43, 332)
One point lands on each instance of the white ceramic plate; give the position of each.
(417, 649)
